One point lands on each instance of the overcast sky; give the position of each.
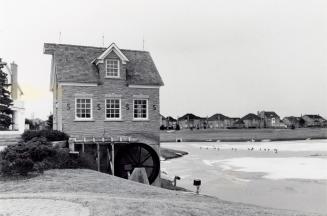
(222, 56)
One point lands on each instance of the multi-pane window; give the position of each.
(83, 108)
(112, 68)
(140, 109)
(113, 109)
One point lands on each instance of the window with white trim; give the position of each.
(140, 110)
(83, 108)
(113, 109)
(112, 68)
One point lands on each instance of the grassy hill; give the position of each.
(243, 134)
(107, 195)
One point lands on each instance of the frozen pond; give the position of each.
(290, 175)
(277, 168)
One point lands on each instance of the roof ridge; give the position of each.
(75, 45)
(96, 47)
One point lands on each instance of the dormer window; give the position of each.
(112, 68)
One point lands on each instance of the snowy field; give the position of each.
(289, 174)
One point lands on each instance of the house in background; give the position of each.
(191, 121)
(218, 121)
(231, 121)
(252, 121)
(238, 124)
(270, 119)
(16, 93)
(313, 121)
(171, 123)
(292, 122)
(168, 123)
(163, 122)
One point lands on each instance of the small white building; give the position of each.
(18, 108)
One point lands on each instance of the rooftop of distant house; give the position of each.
(251, 116)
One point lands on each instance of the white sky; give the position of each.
(231, 57)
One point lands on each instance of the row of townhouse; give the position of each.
(305, 121)
(263, 119)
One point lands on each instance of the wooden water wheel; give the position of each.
(135, 155)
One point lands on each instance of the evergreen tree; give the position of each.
(5, 100)
(50, 122)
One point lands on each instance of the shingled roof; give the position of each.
(189, 116)
(292, 118)
(251, 116)
(315, 117)
(74, 64)
(270, 114)
(218, 116)
(171, 119)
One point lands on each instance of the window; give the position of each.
(273, 120)
(113, 109)
(140, 109)
(112, 68)
(83, 108)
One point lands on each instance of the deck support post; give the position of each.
(98, 156)
(113, 155)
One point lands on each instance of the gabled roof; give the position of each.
(251, 116)
(171, 119)
(292, 118)
(112, 48)
(189, 116)
(270, 114)
(218, 116)
(76, 64)
(315, 117)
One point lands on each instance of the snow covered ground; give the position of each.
(292, 177)
(295, 146)
(277, 168)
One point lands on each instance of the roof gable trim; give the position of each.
(112, 48)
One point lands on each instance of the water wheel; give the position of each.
(135, 155)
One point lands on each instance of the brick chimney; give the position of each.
(14, 83)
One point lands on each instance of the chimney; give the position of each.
(14, 83)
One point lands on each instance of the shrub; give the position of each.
(50, 135)
(37, 155)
